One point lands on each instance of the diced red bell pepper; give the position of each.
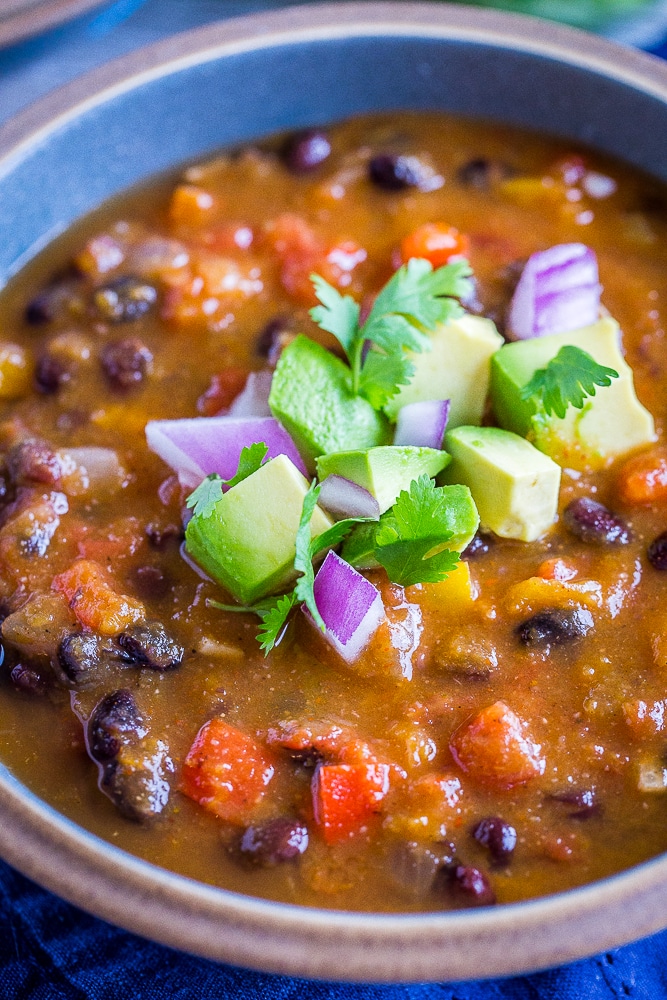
(96, 604)
(437, 242)
(494, 748)
(226, 772)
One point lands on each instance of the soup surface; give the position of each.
(499, 751)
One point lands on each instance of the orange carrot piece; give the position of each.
(346, 797)
(558, 569)
(494, 748)
(643, 479)
(225, 771)
(435, 241)
(94, 601)
(191, 205)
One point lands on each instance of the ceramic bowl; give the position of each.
(228, 83)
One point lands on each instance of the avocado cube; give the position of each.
(384, 471)
(514, 486)
(456, 368)
(461, 518)
(610, 423)
(248, 544)
(311, 396)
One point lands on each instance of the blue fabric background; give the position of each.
(50, 950)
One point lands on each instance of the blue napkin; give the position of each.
(50, 950)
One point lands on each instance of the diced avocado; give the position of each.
(312, 398)
(456, 368)
(248, 543)
(611, 423)
(461, 519)
(514, 486)
(384, 471)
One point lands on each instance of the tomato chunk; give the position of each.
(346, 797)
(437, 242)
(493, 748)
(94, 601)
(225, 771)
(643, 479)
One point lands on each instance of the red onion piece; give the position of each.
(351, 607)
(422, 424)
(254, 400)
(559, 290)
(343, 498)
(195, 447)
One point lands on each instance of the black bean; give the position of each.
(125, 362)
(479, 546)
(115, 722)
(27, 679)
(657, 552)
(306, 151)
(46, 306)
(124, 300)
(497, 836)
(465, 885)
(481, 173)
(148, 645)
(50, 374)
(555, 626)
(161, 537)
(139, 793)
(594, 523)
(32, 461)
(273, 340)
(82, 659)
(393, 172)
(583, 802)
(271, 843)
(150, 582)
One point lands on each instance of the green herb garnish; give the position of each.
(411, 535)
(567, 380)
(204, 498)
(412, 302)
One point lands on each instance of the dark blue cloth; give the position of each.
(50, 950)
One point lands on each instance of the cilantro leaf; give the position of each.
(411, 536)
(204, 498)
(274, 617)
(382, 375)
(567, 380)
(338, 314)
(250, 460)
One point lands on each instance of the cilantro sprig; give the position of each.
(414, 299)
(203, 499)
(567, 380)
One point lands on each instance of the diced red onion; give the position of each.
(422, 424)
(350, 606)
(343, 498)
(559, 290)
(254, 400)
(195, 447)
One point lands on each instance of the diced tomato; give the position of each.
(645, 719)
(347, 796)
(216, 286)
(120, 539)
(191, 206)
(222, 391)
(94, 601)
(557, 569)
(303, 253)
(494, 748)
(225, 771)
(435, 241)
(643, 479)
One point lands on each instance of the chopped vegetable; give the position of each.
(226, 772)
(422, 424)
(346, 797)
(558, 290)
(94, 601)
(350, 606)
(210, 490)
(413, 301)
(343, 498)
(197, 447)
(254, 400)
(493, 748)
(643, 478)
(437, 242)
(567, 380)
